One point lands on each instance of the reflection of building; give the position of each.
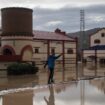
(20, 43)
(20, 98)
(21, 81)
(99, 83)
(96, 50)
(63, 87)
(35, 96)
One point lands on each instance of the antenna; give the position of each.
(82, 20)
(82, 30)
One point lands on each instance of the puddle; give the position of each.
(83, 92)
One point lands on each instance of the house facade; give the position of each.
(97, 46)
(98, 38)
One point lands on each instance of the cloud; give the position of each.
(49, 3)
(54, 23)
(63, 14)
(97, 18)
(51, 19)
(68, 19)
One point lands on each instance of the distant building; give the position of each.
(98, 38)
(84, 40)
(19, 42)
(96, 50)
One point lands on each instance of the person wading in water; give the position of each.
(51, 64)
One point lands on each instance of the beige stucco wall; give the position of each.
(16, 43)
(71, 45)
(101, 53)
(27, 55)
(87, 53)
(42, 55)
(97, 36)
(57, 45)
(53, 44)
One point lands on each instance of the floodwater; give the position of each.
(83, 92)
(76, 85)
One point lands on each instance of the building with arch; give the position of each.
(19, 42)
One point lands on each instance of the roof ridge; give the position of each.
(48, 32)
(53, 35)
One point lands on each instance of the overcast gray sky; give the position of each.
(64, 14)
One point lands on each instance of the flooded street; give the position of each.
(82, 85)
(83, 92)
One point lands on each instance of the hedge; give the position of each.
(21, 68)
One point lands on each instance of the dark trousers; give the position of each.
(51, 74)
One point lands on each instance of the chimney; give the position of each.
(57, 30)
(60, 32)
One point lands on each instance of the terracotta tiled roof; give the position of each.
(51, 36)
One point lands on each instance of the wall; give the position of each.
(41, 57)
(97, 36)
(19, 42)
(16, 42)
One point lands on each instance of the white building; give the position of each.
(97, 46)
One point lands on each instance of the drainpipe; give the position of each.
(63, 51)
(48, 48)
(95, 62)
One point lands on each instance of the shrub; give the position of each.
(21, 68)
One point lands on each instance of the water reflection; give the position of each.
(91, 69)
(71, 73)
(99, 84)
(78, 93)
(1, 101)
(51, 99)
(84, 92)
(18, 98)
(58, 94)
(39, 79)
(18, 81)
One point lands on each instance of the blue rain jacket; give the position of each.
(51, 61)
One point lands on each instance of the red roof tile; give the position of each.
(51, 36)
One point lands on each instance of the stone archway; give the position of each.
(26, 53)
(8, 50)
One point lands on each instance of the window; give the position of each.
(69, 51)
(36, 50)
(97, 41)
(102, 34)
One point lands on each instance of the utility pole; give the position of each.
(82, 29)
(82, 39)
